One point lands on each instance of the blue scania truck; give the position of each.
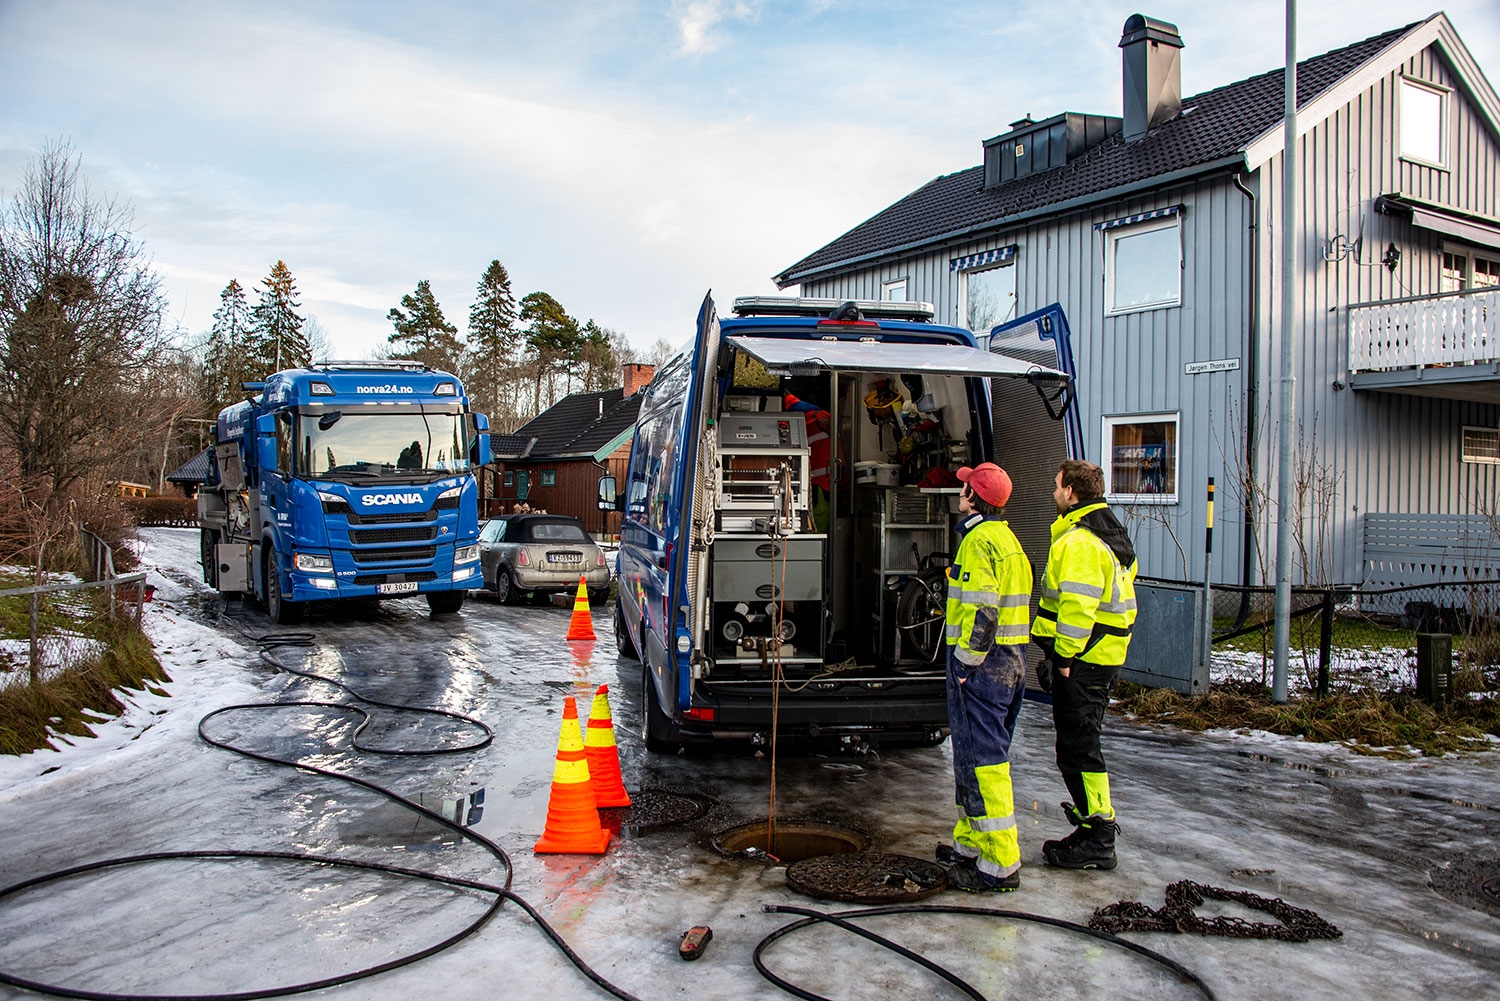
(345, 480)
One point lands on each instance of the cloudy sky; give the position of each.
(623, 156)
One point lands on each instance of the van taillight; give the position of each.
(523, 558)
(702, 715)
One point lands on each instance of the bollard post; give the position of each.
(1434, 667)
(1325, 643)
(34, 671)
(1208, 588)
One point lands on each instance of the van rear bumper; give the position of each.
(906, 707)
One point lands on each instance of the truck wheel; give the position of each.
(281, 611)
(505, 587)
(445, 602)
(208, 541)
(623, 642)
(659, 730)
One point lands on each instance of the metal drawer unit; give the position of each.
(752, 569)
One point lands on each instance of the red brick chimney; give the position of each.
(636, 376)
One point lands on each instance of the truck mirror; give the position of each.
(608, 500)
(265, 449)
(479, 450)
(265, 424)
(481, 422)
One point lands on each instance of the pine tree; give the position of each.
(225, 358)
(597, 364)
(494, 342)
(552, 338)
(277, 340)
(423, 333)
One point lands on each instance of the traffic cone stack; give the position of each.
(581, 626)
(603, 755)
(572, 817)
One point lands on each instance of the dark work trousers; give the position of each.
(983, 703)
(1078, 704)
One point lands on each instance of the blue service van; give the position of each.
(789, 506)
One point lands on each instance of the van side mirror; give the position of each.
(608, 499)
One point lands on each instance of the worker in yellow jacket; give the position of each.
(1083, 625)
(989, 587)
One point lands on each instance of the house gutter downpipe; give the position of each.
(1284, 515)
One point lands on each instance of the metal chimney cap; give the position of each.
(1139, 27)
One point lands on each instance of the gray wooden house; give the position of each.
(1157, 232)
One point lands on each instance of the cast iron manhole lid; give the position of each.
(867, 878)
(653, 808)
(1472, 882)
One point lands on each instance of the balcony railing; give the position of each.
(1454, 328)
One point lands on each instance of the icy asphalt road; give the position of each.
(1356, 839)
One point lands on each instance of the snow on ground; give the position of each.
(1379, 669)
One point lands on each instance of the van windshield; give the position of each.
(338, 443)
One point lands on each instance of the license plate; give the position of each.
(565, 557)
(402, 587)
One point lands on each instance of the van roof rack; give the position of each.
(387, 365)
(785, 305)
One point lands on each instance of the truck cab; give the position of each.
(789, 507)
(346, 480)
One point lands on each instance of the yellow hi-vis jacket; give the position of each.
(989, 587)
(1087, 606)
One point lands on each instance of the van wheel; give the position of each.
(623, 644)
(658, 729)
(280, 611)
(445, 602)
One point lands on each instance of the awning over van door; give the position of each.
(798, 356)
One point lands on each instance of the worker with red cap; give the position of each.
(989, 589)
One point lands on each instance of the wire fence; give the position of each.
(1345, 637)
(47, 630)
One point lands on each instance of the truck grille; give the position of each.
(389, 519)
(387, 578)
(412, 555)
(374, 536)
(446, 504)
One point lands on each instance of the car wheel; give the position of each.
(658, 729)
(445, 602)
(505, 587)
(598, 596)
(280, 611)
(623, 643)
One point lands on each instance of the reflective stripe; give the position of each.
(1050, 592)
(1118, 607)
(989, 868)
(969, 658)
(1014, 600)
(992, 823)
(953, 630)
(1071, 631)
(1013, 629)
(1078, 587)
(979, 598)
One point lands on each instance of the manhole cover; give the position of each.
(1472, 882)
(653, 808)
(789, 840)
(867, 878)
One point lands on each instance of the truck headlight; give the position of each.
(450, 492)
(312, 564)
(466, 554)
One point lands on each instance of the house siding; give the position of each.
(1359, 452)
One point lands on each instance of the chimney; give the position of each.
(636, 376)
(1153, 77)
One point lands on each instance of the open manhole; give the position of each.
(867, 878)
(789, 840)
(1472, 882)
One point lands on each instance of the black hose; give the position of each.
(840, 919)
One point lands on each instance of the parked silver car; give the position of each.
(523, 555)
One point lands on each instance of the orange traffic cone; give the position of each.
(572, 818)
(581, 626)
(603, 755)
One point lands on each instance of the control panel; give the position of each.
(776, 432)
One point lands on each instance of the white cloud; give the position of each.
(696, 20)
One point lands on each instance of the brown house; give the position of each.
(555, 461)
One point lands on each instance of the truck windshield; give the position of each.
(382, 444)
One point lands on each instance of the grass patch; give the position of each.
(69, 702)
(1381, 723)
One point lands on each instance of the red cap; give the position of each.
(989, 481)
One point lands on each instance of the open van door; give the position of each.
(1036, 427)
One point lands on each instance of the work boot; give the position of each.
(1091, 845)
(967, 877)
(948, 855)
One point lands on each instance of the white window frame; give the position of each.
(1445, 139)
(1470, 254)
(963, 293)
(1483, 460)
(1111, 239)
(1107, 453)
(886, 288)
